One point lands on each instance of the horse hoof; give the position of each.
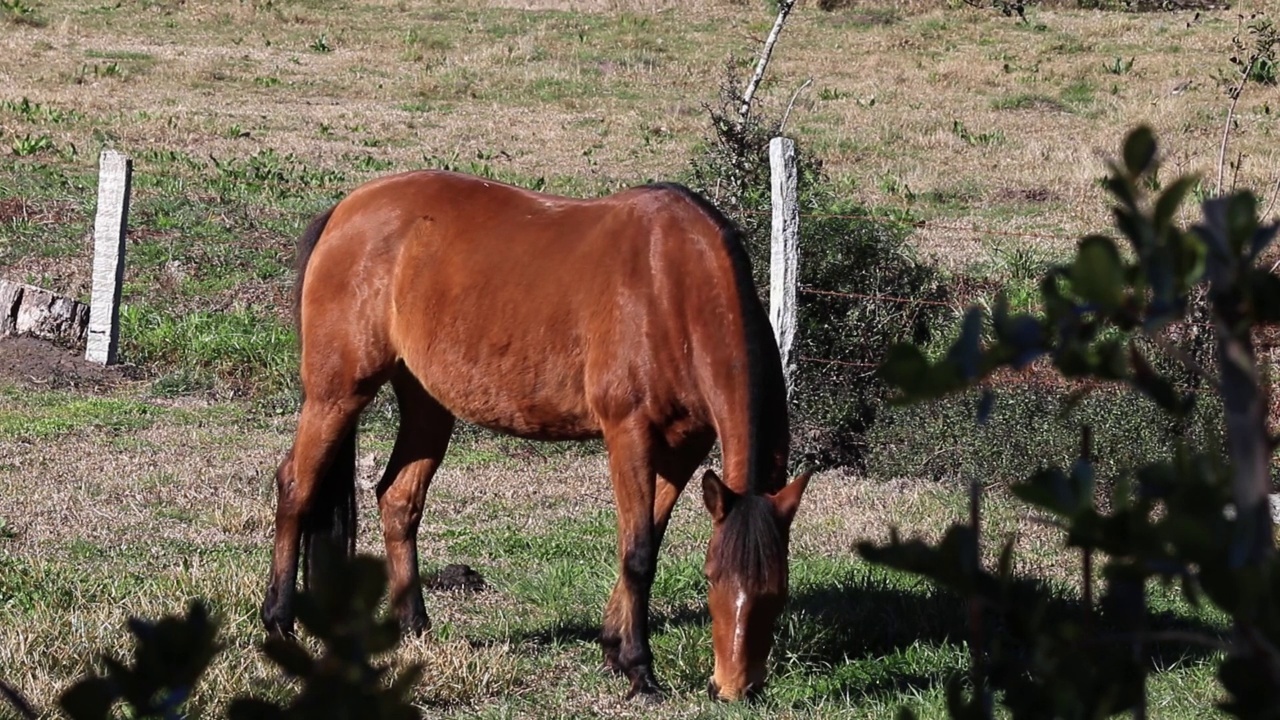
(277, 624)
(645, 687)
(415, 626)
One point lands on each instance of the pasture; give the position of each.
(127, 492)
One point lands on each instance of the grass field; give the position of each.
(97, 529)
(246, 118)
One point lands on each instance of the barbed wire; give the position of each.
(864, 296)
(925, 225)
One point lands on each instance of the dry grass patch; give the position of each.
(593, 94)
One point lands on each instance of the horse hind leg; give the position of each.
(423, 437)
(316, 463)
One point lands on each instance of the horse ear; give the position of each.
(716, 495)
(787, 500)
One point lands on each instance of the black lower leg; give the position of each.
(277, 608)
(635, 658)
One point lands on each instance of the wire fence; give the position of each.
(928, 225)
(870, 367)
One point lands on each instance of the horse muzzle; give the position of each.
(750, 693)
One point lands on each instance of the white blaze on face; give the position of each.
(739, 622)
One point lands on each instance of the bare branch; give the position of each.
(1275, 190)
(1231, 111)
(796, 94)
(784, 9)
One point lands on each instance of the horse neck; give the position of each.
(751, 419)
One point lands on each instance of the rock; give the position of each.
(26, 310)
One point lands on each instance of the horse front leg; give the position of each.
(625, 633)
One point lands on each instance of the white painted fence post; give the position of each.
(109, 228)
(784, 254)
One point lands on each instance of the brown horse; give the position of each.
(632, 317)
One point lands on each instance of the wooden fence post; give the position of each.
(109, 228)
(784, 253)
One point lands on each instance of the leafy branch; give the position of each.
(1197, 519)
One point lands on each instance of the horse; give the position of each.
(631, 317)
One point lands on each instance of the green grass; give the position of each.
(857, 641)
(1026, 101)
(1079, 94)
(42, 417)
(191, 498)
(241, 344)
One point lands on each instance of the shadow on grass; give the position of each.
(860, 634)
(922, 633)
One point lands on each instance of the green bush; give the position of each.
(1197, 515)
(844, 249)
(1029, 427)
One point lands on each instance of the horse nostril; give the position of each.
(713, 690)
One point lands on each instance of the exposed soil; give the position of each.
(455, 577)
(36, 363)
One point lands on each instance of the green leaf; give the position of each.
(1098, 273)
(1192, 259)
(1139, 151)
(1048, 489)
(1167, 204)
(966, 353)
(1242, 221)
(1264, 291)
(1153, 385)
(904, 367)
(15, 699)
(1122, 189)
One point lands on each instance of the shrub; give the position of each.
(1198, 515)
(843, 249)
(1031, 426)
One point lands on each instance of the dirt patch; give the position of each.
(13, 209)
(455, 577)
(35, 363)
(1035, 194)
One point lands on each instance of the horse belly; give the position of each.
(509, 391)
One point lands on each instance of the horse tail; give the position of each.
(329, 529)
(306, 245)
